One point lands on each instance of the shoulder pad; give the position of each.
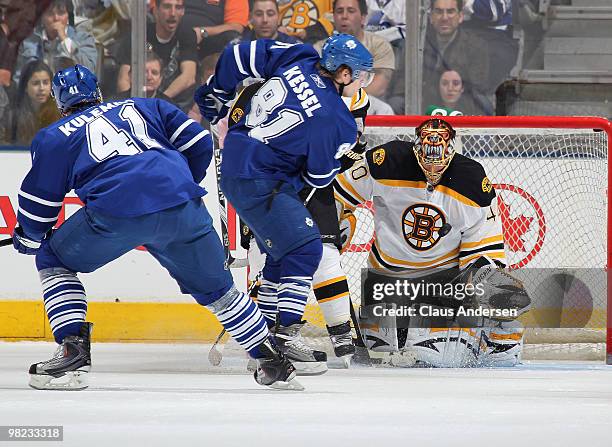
(394, 160)
(468, 178)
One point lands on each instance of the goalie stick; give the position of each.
(6, 242)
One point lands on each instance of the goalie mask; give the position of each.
(434, 148)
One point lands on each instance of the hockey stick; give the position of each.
(215, 355)
(230, 261)
(360, 340)
(6, 242)
(221, 198)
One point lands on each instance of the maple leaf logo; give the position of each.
(514, 228)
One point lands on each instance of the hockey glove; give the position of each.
(213, 102)
(24, 244)
(500, 290)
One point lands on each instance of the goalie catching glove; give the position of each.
(501, 290)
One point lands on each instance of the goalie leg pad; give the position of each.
(380, 333)
(443, 347)
(504, 345)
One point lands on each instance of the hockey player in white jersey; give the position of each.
(435, 211)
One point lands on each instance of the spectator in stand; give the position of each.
(18, 20)
(492, 21)
(5, 70)
(55, 41)
(387, 18)
(447, 45)
(264, 20)
(308, 21)
(175, 44)
(452, 100)
(34, 107)
(350, 18)
(216, 22)
(153, 79)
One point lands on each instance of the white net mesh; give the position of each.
(552, 198)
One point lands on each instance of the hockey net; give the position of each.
(551, 179)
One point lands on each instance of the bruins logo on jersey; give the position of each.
(237, 113)
(421, 224)
(378, 157)
(245, 230)
(487, 186)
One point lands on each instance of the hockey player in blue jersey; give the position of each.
(136, 165)
(293, 133)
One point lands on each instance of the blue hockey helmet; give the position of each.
(73, 86)
(344, 49)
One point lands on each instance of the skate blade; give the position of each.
(346, 361)
(71, 381)
(252, 365)
(310, 368)
(291, 385)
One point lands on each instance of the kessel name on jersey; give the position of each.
(409, 217)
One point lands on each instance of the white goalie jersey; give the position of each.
(416, 228)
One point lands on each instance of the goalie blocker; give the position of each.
(446, 331)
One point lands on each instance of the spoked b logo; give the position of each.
(421, 224)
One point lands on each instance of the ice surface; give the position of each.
(167, 395)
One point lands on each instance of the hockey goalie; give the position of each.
(436, 222)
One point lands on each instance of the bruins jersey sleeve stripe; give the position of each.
(392, 263)
(466, 180)
(494, 255)
(485, 241)
(466, 253)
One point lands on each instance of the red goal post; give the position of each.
(578, 139)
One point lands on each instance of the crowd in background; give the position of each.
(468, 51)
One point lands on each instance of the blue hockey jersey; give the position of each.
(296, 127)
(126, 158)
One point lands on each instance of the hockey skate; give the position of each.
(68, 368)
(307, 361)
(275, 370)
(342, 341)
